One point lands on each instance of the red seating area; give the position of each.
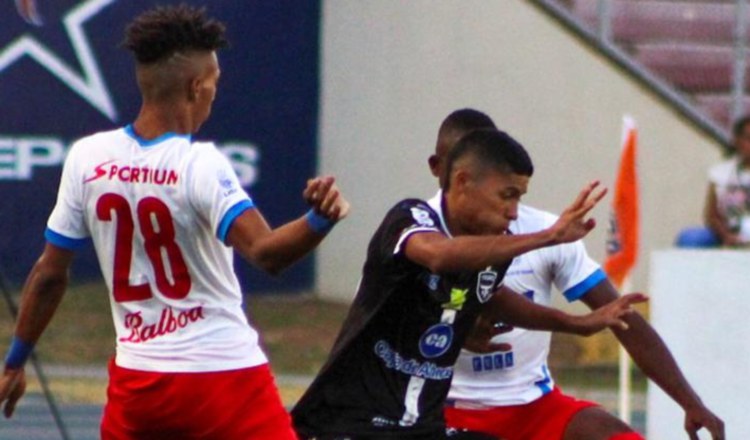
(688, 43)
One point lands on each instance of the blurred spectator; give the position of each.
(727, 210)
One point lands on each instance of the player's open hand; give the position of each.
(573, 224)
(324, 197)
(701, 417)
(12, 387)
(609, 315)
(27, 10)
(480, 337)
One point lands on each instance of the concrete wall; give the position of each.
(392, 70)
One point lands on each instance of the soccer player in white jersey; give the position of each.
(162, 212)
(503, 386)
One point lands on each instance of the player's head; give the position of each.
(175, 52)
(486, 173)
(741, 132)
(455, 126)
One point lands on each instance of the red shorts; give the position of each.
(224, 405)
(543, 419)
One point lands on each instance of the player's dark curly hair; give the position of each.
(491, 148)
(159, 33)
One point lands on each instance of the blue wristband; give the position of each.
(318, 223)
(18, 353)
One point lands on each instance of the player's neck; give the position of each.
(154, 121)
(451, 221)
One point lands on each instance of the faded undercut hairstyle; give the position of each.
(490, 149)
(159, 33)
(465, 120)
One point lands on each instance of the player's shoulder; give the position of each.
(532, 219)
(417, 209)
(722, 171)
(98, 140)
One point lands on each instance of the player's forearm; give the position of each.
(478, 252)
(285, 245)
(41, 296)
(653, 357)
(515, 310)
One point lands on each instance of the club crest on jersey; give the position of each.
(422, 217)
(436, 341)
(486, 285)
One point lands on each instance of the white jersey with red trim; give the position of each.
(158, 212)
(520, 375)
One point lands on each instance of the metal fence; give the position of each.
(693, 53)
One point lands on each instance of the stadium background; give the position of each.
(355, 89)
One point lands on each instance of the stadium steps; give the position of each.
(687, 43)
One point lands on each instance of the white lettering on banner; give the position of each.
(19, 156)
(244, 158)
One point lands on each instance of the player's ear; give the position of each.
(194, 88)
(461, 179)
(434, 162)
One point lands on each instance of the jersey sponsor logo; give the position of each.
(458, 299)
(492, 362)
(395, 361)
(486, 285)
(128, 174)
(169, 322)
(99, 171)
(422, 217)
(436, 341)
(89, 83)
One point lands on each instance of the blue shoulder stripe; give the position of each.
(64, 242)
(230, 216)
(582, 288)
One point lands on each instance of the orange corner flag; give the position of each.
(622, 242)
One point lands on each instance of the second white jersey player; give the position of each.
(521, 375)
(154, 210)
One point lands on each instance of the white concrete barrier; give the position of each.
(700, 304)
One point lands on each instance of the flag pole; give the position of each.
(625, 376)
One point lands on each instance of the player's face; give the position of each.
(489, 203)
(205, 90)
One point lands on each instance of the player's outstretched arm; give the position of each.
(442, 254)
(514, 309)
(273, 250)
(652, 356)
(41, 295)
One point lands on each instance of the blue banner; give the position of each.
(70, 78)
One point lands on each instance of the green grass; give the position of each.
(297, 333)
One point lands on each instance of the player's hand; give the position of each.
(480, 337)
(324, 197)
(572, 224)
(609, 315)
(12, 387)
(701, 417)
(27, 10)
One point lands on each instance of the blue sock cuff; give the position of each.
(18, 354)
(318, 223)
